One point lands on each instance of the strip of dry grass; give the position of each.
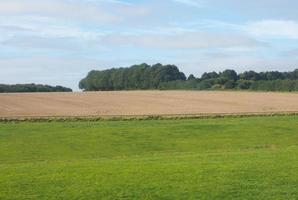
(143, 117)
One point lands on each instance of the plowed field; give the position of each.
(144, 103)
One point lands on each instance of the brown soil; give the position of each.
(144, 103)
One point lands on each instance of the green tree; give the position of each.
(229, 75)
(230, 84)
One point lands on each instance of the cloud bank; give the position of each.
(59, 41)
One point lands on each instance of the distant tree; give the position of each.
(229, 75)
(141, 76)
(210, 75)
(244, 84)
(294, 74)
(205, 84)
(229, 84)
(250, 75)
(22, 88)
(275, 75)
(217, 87)
(220, 81)
(164, 77)
(191, 77)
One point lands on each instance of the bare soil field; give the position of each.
(144, 103)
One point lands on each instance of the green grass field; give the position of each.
(229, 158)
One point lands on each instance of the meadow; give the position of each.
(227, 158)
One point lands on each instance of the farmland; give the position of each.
(222, 158)
(144, 103)
(228, 158)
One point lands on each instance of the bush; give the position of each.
(205, 84)
(278, 85)
(229, 85)
(217, 87)
(244, 84)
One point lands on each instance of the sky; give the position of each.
(58, 42)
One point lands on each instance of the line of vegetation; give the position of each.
(143, 118)
(168, 77)
(32, 88)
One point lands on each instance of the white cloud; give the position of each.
(187, 40)
(26, 25)
(107, 11)
(55, 9)
(193, 3)
(108, 1)
(30, 32)
(273, 29)
(264, 29)
(25, 42)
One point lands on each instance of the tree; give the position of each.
(32, 88)
(229, 75)
(210, 75)
(250, 75)
(191, 77)
(294, 74)
(244, 84)
(205, 84)
(274, 75)
(164, 77)
(230, 84)
(135, 77)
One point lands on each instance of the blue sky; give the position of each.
(58, 42)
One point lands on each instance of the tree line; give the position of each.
(168, 77)
(135, 77)
(4, 88)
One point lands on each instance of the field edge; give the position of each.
(142, 117)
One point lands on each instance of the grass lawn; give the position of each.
(230, 158)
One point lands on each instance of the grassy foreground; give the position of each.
(232, 158)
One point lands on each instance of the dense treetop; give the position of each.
(135, 77)
(158, 76)
(32, 88)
